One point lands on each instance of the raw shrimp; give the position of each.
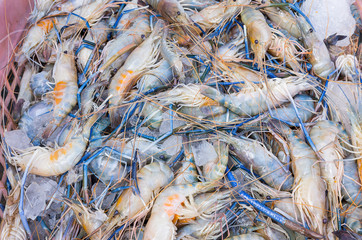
(309, 188)
(215, 170)
(187, 96)
(66, 87)
(171, 10)
(352, 218)
(87, 97)
(140, 60)
(229, 52)
(11, 226)
(204, 215)
(356, 137)
(25, 91)
(187, 173)
(304, 104)
(168, 51)
(36, 36)
(129, 204)
(348, 66)
(157, 77)
(220, 13)
(100, 30)
(116, 51)
(256, 157)
(250, 102)
(46, 161)
(285, 50)
(325, 137)
(318, 53)
(246, 236)
(160, 225)
(351, 185)
(259, 33)
(282, 19)
(40, 84)
(90, 218)
(42, 7)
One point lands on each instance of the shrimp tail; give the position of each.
(278, 127)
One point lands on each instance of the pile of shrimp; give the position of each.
(185, 119)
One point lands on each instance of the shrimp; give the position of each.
(215, 170)
(187, 171)
(140, 60)
(352, 218)
(42, 7)
(99, 30)
(25, 90)
(160, 225)
(284, 49)
(90, 218)
(204, 215)
(356, 137)
(11, 226)
(222, 12)
(168, 51)
(40, 84)
(161, 75)
(46, 161)
(171, 10)
(304, 104)
(282, 19)
(230, 51)
(318, 53)
(187, 96)
(351, 185)
(256, 157)
(116, 51)
(66, 87)
(309, 188)
(348, 66)
(129, 205)
(250, 102)
(325, 137)
(35, 37)
(246, 236)
(259, 32)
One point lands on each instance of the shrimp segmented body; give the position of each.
(309, 187)
(325, 137)
(250, 102)
(352, 187)
(165, 208)
(319, 55)
(139, 61)
(130, 204)
(255, 156)
(11, 225)
(65, 90)
(46, 161)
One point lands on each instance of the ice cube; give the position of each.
(203, 152)
(34, 201)
(172, 145)
(166, 123)
(17, 139)
(329, 17)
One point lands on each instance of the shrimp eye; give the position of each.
(232, 148)
(325, 220)
(234, 0)
(162, 157)
(256, 41)
(268, 197)
(262, 1)
(311, 30)
(80, 214)
(178, 13)
(65, 52)
(143, 36)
